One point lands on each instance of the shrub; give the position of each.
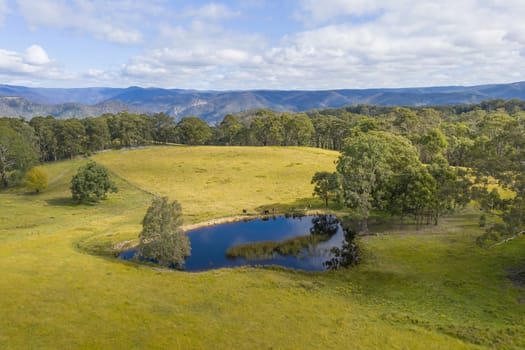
(36, 180)
(91, 183)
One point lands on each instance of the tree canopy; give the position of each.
(162, 239)
(36, 180)
(91, 183)
(367, 164)
(326, 186)
(18, 150)
(194, 131)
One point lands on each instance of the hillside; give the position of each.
(428, 289)
(212, 106)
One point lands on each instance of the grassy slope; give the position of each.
(213, 182)
(432, 289)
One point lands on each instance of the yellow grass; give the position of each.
(212, 182)
(415, 291)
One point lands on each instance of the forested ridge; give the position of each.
(443, 155)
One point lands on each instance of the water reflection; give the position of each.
(345, 256)
(324, 225)
(312, 243)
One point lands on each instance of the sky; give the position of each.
(261, 44)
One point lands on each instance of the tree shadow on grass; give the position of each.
(299, 205)
(61, 202)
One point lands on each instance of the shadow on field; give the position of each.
(301, 204)
(61, 202)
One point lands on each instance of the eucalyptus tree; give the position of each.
(162, 239)
(18, 150)
(194, 131)
(326, 186)
(367, 165)
(97, 134)
(230, 127)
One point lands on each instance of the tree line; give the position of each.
(440, 149)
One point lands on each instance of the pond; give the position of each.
(304, 243)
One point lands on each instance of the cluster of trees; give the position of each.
(457, 132)
(431, 152)
(161, 240)
(426, 162)
(18, 150)
(379, 170)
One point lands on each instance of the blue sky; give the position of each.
(261, 44)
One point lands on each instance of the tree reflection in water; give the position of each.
(348, 254)
(324, 225)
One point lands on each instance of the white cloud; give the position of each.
(114, 21)
(348, 44)
(212, 12)
(30, 66)
(407, 42)
(195, 57)
(341, 43)
(33, 60)
(36, 55)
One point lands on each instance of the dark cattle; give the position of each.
(266, 212)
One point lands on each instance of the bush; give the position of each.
(36, 180)
(91, 183)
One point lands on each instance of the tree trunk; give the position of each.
(4, 180)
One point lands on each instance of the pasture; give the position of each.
(61, 288)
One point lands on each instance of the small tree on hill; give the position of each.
(36, 180)
(327, 186)
(91, 183)
(162, 239)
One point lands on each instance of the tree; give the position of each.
(71, 137)
(97, 134)
(36, 180)
(128, 129)
(230, 127)
(327, 186)
(367, 165)
(45, 130)
(433, 144)
(17, 154)
(91, 183)
(194, 131)
(163, 128)
(267, 128)
(410, 192)
(298, 129)
(162, 239)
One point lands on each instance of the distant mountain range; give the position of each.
(212, 106)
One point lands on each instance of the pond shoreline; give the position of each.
(246, 217)
(301, 242)
(131, 244)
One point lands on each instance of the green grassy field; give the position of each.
(427, 289)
